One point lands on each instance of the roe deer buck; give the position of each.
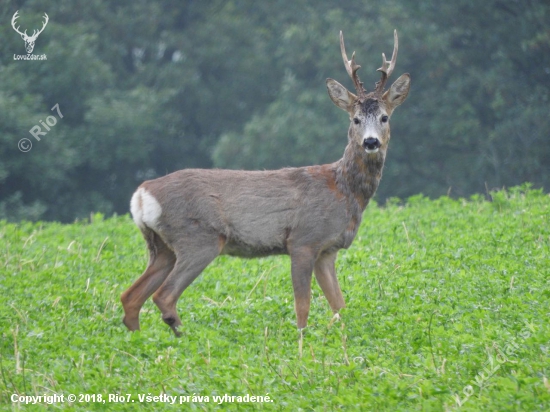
(191, 216)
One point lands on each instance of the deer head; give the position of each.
(370, 112)
(29, 40)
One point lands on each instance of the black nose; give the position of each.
(371, 143)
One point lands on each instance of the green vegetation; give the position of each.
(436, 290)
(150, 87)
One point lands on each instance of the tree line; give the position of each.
(147, 88)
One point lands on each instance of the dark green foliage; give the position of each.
(435, 290)
(147, 88)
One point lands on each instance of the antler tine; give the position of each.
(351, 68)
(15, 17)
(387, 66)
(46, 19)
(347, 62)
(13, 22)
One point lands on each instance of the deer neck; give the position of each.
(358, 174)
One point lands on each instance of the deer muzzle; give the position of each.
(371, 144)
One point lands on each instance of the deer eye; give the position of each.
(356, 120)
(384, 119)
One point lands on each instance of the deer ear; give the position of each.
(398, 91)
(340, 96)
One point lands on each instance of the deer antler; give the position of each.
(387, 66)
(351, 68)
(35, 33)
(15, 17)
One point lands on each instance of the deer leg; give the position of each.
(191, 261)
(161, 262)
(302, 260)
(325, 273)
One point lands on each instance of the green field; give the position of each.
(447, 302)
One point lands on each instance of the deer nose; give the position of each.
(371, 143)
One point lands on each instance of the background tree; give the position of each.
(147, 88)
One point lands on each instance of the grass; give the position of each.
(447, 309)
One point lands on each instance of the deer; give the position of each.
(29, 40)
(191, 216)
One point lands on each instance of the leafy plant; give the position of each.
(434, 290)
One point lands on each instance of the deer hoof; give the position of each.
(132, 325)
(169, 320)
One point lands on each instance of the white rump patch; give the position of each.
(146, 210)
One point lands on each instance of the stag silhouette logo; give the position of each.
(29, 40)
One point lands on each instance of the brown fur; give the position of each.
(191, 216)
